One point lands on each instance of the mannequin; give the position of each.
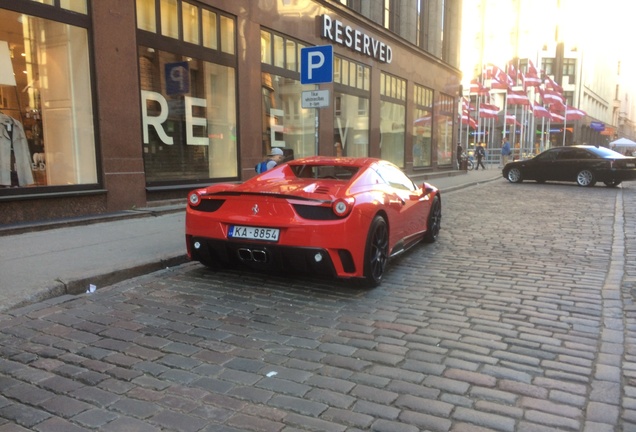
(12, 137)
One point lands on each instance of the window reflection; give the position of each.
(188, 116)
(48, 123)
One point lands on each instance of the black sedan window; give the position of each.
(548, 155)
(575, 153)
(604, 152)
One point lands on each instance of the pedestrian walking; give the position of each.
(459, 151)
(506, 151)
(480, 153)
(275, 157)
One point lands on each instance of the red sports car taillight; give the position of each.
(342, 206)
(194, 199)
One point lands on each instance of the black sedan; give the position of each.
(582, 164)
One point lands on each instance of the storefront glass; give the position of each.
(188, 94)
(188, 118)
(444, 129)
(423, 127)
(72, 5)
(392, 119)
(47, 135)
(351, 108)
(285, 124)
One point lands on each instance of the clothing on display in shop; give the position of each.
(13, 139)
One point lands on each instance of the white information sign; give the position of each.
(315, 99)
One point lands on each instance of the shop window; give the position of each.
(210, 39)
(78, 6)
(146, 15)
(188, 22)
(227, 35)
(351, 127)
(169, 18)
(47, 135)
(443, 114)
(290, 56)
(74, 5)
(285, 122)
(351, 116)
(350, 73)
(188, 118)
(266, 47)
(423, 127)
(280, 51)
(392, 118)
(190, 19)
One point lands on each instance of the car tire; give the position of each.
(376, 252)
(585, 178)
(612, 183)
(514, 175)
(434, 222)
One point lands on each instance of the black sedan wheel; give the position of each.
(514, 175)
(612, 183)
(376, 254)
(434, 222)
(585, 178)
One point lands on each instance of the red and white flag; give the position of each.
(550, 84)
(511, 119)
(556, 117)
(500, 80)
(478, 88)
(553, 98)
(512, 73)
(488, 111)
(517, 98)
(468, 120)
(572, 114)
(531, 77)
(540, 112)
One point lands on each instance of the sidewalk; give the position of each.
(46, 260)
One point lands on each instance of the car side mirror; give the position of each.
(427, 188)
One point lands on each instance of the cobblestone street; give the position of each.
(520, 318)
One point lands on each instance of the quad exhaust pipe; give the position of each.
(256, 255)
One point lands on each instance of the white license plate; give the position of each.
(630, 165)
(253, 233)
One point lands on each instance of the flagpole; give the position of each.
(542, 142)
(565, 123)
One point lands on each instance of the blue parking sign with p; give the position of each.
(316, 64)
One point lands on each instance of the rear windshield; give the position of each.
(604, 152)
(324, 171)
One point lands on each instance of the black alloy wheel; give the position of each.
(434, 223)
(376, 254)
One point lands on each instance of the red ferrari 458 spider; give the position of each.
(343, 217)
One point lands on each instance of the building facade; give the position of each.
(561, 40)
(112, 105)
